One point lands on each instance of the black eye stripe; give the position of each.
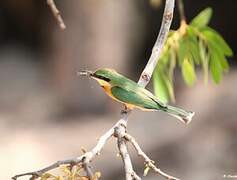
(102, 77)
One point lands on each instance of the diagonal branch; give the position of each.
(130, 174)
(56, 14)
(157, 49)
(149, 163)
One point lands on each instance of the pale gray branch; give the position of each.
(88, 170)
(157, 49)
(120, 130)
(149, 163)
(56, 14)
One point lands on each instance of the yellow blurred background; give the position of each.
(48, 113)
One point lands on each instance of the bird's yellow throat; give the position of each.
(107, 88)
(105, 85)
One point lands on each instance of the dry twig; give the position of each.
(148, 162)
(56, 14)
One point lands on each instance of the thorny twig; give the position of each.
(56, 14)
(119, 129)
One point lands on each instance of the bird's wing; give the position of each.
(134, 98)
(153, 97)
(143, 92)
(132, 87)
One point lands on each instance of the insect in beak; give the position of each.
(85, 73)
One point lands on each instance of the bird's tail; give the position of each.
(182, 115)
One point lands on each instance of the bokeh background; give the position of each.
(48, 113)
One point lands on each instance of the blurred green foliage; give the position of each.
(192, 45)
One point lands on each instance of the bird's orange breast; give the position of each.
(107, 88)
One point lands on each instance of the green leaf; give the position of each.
(194, 51)
(164, 59)
(188, 72)
(193, 45)
(216, 69)
(172, 63)
(182, 50)
(170, 87)
(202, 19)
(217, 41)
(219, 56)
(204, 59)
(160, 87)
(224, 64)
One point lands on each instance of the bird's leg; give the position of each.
(125, 109)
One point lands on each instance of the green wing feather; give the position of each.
(131, 97)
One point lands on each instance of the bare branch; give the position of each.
(149, 163)
(87, 168)
(56, 14)
(121, 142)
(156, 51)
(85, 158)
(36, 174)
(88, 156)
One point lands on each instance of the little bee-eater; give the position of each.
(132, 95)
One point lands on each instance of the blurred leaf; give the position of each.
(170, 88)
(182, 51)
(97, 175)
(216, 69)
(219, 57)
(202, 19)
(172, 63)
(155, 3)
(191, 45)
(204, 59)
(188, 72)
(146, 170)
(160, 88)
(217, 41)
(224, 64)
(47, 176)
(165, 57)
(194, 50)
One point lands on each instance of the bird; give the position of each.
(132, 95)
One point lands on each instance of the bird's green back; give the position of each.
(129, 91)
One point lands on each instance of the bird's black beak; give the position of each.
(85, 73)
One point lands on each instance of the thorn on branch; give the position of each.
(146, 77)
(168, 16)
